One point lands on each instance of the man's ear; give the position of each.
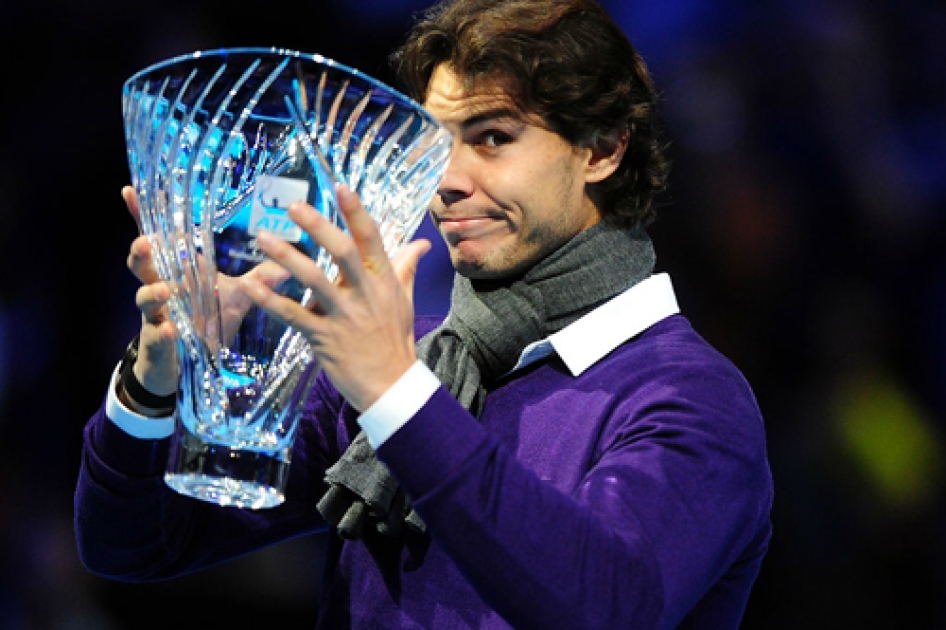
(607, 151)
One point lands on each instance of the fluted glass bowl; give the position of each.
(219, 143)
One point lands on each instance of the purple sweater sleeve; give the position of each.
(131, 526)
(666, 526)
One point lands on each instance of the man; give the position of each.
(564, 451)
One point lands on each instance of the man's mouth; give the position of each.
(457, 228)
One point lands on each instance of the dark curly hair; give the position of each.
(566, 61)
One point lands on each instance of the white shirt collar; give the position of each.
(589, 339)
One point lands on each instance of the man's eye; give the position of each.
(493, 139)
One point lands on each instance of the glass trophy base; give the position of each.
(226, 476)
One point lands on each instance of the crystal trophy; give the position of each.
(219, 144)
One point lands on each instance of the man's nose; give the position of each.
(457, 182)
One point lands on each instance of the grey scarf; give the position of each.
(488, 326)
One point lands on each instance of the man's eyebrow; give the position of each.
(491, 115)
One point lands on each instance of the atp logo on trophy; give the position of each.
(270, 202)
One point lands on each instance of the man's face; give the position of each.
(514, 191)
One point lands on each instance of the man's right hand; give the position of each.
(157, 367)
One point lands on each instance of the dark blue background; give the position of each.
(804, 233)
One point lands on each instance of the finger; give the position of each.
(131, 202)
(151, 300)
(285, 310)
(269, 273)
(332, 239)
(406, 260)
(305, 270)
(140, 262)
(157, 367)
(364, 230)
(160, 338)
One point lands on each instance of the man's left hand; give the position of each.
(361, 326)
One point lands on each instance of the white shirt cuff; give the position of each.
(399, 404)
(134, 424)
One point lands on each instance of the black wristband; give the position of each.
(135, 390)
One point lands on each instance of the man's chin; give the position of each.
(475, 270)
(487, 270)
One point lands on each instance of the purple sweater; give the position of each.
(636, 495)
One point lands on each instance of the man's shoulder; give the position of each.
(670, 349)
(675, 337)
(671, 365)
